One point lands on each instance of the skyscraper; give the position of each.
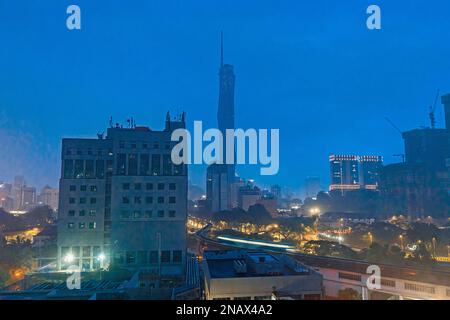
(224, 197)
(123, 202)
(225, 112)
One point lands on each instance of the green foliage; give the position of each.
(330, 248)
(349, 294)
(383, 254)
(256, 214)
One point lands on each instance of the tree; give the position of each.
(423, 232)
(329, 248)
(349, 294)
(422, 255)
(4, 276)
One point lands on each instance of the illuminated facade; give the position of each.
(351, 172)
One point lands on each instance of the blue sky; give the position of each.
(310, 68)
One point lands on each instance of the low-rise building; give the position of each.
(241, 275)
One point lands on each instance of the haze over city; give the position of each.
(311, 69)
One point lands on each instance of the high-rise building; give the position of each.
(123, 202)
(49, 197)
(276, 191)
(369, 170)
(222, 192)
(27, 197)
(351, 172)
(344, 173)
(420, 186)
(6, 196)
(217, 188)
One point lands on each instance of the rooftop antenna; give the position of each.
(221, 48)
(110, 122)
(432, 110)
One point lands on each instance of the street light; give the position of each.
(370, 237)
(69, 258)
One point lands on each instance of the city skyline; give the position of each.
(154, 79)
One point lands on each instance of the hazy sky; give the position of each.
(310, 68)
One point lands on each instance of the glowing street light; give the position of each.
(370, 237)
(69, 258)
(401, 240)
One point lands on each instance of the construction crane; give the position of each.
(393, 125)
(401, 155)
(432, 110)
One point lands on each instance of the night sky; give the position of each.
(310, 68)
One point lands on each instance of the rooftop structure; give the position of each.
(245, 275)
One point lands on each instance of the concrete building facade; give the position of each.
(122, 201)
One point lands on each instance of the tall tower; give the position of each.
(220, 182)
(225, 113)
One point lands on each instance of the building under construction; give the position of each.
(420, 185)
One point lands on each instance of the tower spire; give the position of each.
(221, 49)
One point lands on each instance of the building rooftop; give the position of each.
(232, 264)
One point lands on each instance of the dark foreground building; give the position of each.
(122, 202)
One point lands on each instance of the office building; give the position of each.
(49, 197)
(351, 172)
(344, 173)
(241, 275)
(218, 188)
(248, 195)
(122, 202)
(369, 170)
